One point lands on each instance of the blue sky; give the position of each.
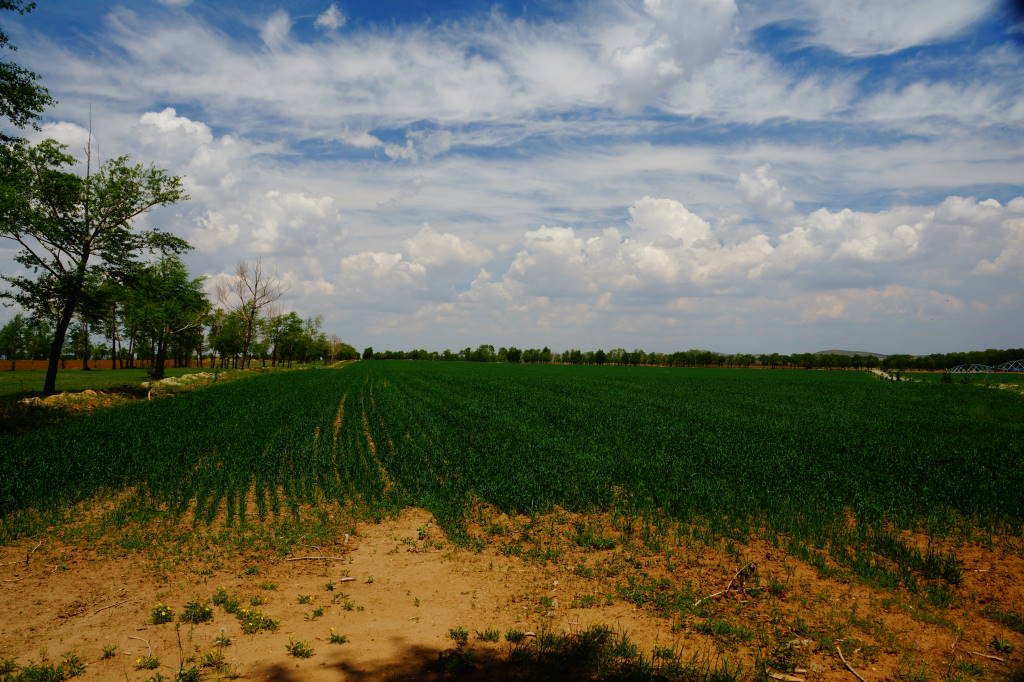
(741, 176)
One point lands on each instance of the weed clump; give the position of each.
(147, 662)
(161, 614)
(252, 621)
(459, 635)
(197, 612)
(299, 649)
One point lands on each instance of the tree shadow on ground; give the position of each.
(596, 653)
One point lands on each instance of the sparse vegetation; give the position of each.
(148, 662)
(299, 649)
(488, 635)
(459, 635)
(161, 614)
(252, 621)
(197, 611)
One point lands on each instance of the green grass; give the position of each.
(30, 381)
(791, 453)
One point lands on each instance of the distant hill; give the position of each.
(851, 353)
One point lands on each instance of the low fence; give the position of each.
(98, 364)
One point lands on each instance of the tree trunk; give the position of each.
(50, 384)
(130, 360)
(85, 346)
(250, 324)
(157, 371)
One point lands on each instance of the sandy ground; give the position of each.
(399, 586)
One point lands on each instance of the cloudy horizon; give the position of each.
(739, 176)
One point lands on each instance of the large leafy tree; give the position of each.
(227, 331)
(72, 229)
(164, 302)
(22, 98)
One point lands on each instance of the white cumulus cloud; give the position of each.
(331, 18)
(432, 248)
(763, 191)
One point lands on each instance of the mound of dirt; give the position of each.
(83, 401)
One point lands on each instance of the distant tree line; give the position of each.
(704, 358)
(161, 317)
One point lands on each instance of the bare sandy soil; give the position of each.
(396, 588)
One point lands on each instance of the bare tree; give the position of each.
(249, 291)
(333, 344)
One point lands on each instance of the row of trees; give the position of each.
(159, 314)
(705, 358)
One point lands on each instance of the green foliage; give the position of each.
(335, 638)
(147, 662)
(1011, 619)
(459, 635)
(76, 232)
(1000, 645)
(161, 613)
(722, 629)
(197, 612)
(589, 537)
(226, 601)
(488, 635)
(252, 622)
(193, 674)
(70, 666)
(163, 301)
(22, 98)
(299, 649)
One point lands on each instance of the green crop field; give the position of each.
(784, 452)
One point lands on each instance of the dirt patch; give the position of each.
(394, 591)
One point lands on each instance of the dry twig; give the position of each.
(314, 558)
(848, 666)
(125, 601)
(727, 587)
(145, 641)
(784, 678)
(988, 656)
(28, 557)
